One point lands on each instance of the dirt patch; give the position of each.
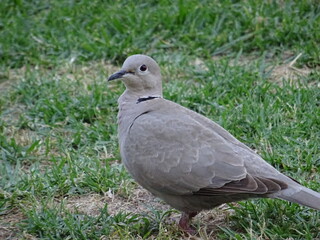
(11, 116)
(88, 72)
(140, 201)
(284, 71)
(8, 221)
(5, 86)
(23, 137)
(289, 72)
(210, 221)
(9, 77)
(86, 204)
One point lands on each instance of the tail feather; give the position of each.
(301, 195)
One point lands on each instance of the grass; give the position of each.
(42, 32)
(58, 132)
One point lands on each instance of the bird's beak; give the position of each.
(117, 75)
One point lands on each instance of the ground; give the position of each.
(132, 198)
(250, 66)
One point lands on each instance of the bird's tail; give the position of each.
(301, 195)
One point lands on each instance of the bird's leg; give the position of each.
(184, 222)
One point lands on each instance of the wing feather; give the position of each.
(173, 150)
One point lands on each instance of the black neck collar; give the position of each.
(142, 99)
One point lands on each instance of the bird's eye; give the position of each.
(143, 68)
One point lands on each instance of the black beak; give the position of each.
(117, 75)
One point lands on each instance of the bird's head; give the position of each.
(141, 75)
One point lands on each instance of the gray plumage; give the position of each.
(186, 159)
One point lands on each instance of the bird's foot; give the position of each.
(184, 222)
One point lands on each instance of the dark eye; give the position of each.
(143, 68)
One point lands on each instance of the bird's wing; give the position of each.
(169, 150)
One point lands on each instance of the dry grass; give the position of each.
(140, 201)
(9, 78)
(288, 72)
(8, 221)
(283, 71)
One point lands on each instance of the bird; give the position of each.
(186, 159)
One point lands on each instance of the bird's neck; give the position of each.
(131, 105)
(129, 97)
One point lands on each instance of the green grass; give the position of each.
(59, 223)
(58, 132)
(42, 32)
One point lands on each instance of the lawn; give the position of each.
(251, 66)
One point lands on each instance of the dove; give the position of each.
(186, 159)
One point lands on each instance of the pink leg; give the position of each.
(184, 222)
